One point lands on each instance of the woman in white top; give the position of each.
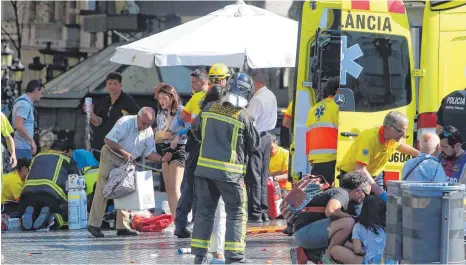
(170, 136)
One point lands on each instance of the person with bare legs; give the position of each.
(169, 140)
(368, 235)
(329, 220)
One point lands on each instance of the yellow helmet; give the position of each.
(219, 71)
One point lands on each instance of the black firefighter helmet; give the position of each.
(239, 90)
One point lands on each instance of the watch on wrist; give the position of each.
(274, 178)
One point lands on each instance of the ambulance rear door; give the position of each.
(375, 74)
(315, 18)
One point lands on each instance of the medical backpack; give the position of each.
(300, 195)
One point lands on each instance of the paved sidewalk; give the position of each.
(77, 247)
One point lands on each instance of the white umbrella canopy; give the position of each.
(230, 35)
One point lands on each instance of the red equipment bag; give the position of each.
(153, 224)
(274, 198)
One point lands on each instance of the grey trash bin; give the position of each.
(394, 242)
(433, 223)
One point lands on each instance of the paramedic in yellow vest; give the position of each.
(322, 134)
(13, 184)
(278, 166)
(373, 147)
(218, 74)
(7, 130)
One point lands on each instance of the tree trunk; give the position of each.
(19, 27)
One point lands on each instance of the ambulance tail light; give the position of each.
(426, 122)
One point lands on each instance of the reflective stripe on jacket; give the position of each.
(48, 173)
(322, 131)
(227, 136)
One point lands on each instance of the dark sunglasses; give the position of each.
(363, 191)
(400, 131)
(446, 133)
(164, 90)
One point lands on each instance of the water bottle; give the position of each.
(88, 102)
(83, 203)
(184, 251)
(73, 202)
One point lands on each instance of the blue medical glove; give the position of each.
(183, 131)
(383, 196)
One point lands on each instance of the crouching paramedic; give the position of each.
(228, 137)
(327, 219)
(373, 147)
(322, 135)
(44, 193)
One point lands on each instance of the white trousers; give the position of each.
(217, 240)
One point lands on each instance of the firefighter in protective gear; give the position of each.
(322, 134)
(44, 192)
(228, 137)
(218, 75)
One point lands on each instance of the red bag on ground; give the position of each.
(274, 198)
(153, 224)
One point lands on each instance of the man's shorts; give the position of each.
(314, 235)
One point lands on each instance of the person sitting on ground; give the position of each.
(44, 193)
(368, 235)
(13, 183)
(426, 166)
(332, 209)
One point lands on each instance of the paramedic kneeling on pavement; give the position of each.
(373, 147)
(130, 138)
(327, 219)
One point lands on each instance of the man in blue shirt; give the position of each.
(426, 166)
(23, 119)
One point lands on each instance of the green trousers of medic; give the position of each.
(227, 136)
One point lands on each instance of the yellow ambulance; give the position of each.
(368, 44)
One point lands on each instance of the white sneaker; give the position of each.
(170, 229)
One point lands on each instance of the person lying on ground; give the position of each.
(331, 209)
(368, 235)
(13, 184)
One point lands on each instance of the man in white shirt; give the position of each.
(131, 137)
(263, 108)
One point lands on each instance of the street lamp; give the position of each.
(7, 55)
(17, 68)
(59, 66)
(74, 57)
(36, 68)
(48, 53)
